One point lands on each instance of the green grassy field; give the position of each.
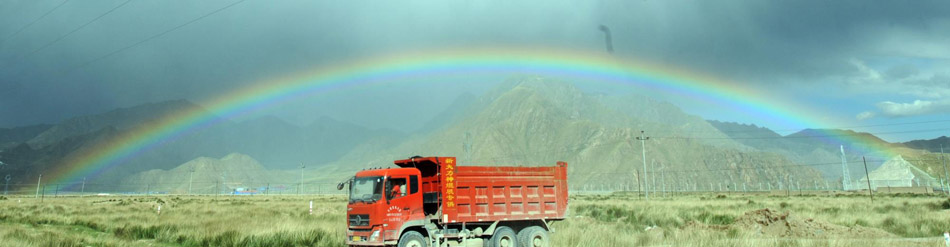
(595, 220)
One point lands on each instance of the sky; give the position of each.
(880, 67)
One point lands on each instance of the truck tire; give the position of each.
(412, 239)
(534, 236)
(503, 237)
(522, 236)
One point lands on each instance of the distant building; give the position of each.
(245, 191)
(897, 172)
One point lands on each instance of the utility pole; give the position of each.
(191, 180)
(946, 180)
(787, 194)
(643, 150)
(301, 179)
(38, 181)
(639, 188)
(870, 191)
(666, 192)
(845, 174)
(7, 178)
(5, 187)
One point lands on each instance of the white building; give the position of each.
(897, 172)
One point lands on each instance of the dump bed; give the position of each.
(487, 194)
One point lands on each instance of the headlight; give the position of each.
(375, 236)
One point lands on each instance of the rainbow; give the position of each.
(592, 66)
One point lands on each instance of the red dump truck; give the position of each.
(430, 201)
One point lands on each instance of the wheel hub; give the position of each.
(537, 242)
(505, 242)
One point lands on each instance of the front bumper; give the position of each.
(364, 238)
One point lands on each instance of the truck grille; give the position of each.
(359, 220)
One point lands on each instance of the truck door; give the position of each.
(405, 201)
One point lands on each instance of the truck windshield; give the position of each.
(366, 189)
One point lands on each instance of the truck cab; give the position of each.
(379, 202)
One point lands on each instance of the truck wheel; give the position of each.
(522, 236)
(412, 239)
(504, 237)
(534, 236)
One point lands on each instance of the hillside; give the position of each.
(122, 118)
(932, 145)
(10, 137)
(24, 163)
(538, 121)
(820, 148)
(204, 175)
(274, 142)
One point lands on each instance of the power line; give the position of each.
(746, 168)
(807, 136)
(895, 124)
(33, 22)
(120, 50)
(581, 146)
(74, 30)
(593, 173)
(800, 129)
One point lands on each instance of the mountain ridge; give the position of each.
(278, 144)
(539, 121)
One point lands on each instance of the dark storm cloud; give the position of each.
(799, 40)
(755, 41)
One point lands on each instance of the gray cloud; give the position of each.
(749, 41)
(901, 72)
(774, 41)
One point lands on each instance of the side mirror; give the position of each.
(340, 186)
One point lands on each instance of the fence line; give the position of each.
(630, 184)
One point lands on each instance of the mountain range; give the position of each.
(821, 148)
(273, 141)
(525, 121)
(538, 121)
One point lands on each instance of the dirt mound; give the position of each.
(769, 223)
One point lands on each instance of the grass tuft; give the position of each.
(614, 220)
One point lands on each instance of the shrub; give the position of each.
(885, 209)
(284, 238)
(861, 222)
(142, 232)
(716, 219)
(831, 210)
(895, 226)
(732, 233)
